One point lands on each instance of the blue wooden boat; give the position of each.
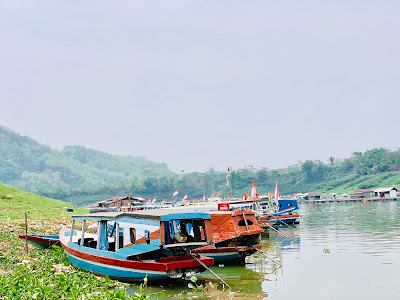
(153, 243)
(41, 241)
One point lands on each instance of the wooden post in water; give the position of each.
(26, 233)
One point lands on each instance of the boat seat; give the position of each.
(93, 244)
(85, 241)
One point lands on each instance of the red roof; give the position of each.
(312, 194)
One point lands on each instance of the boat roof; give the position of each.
(152, 214)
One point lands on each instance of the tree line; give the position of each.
(83, 175)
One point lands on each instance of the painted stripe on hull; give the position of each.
(222, 257)
(121, 273)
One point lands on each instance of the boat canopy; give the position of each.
(149, 214)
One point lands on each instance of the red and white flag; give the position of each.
(154, 200)
(148, 201)
(227, 177)
(277, 194)
(204, 197)
(163, 200)
(254, 194)
(175, 193)
(229, 197)
(244, 196)
(185, 197)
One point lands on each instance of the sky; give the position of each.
(196, 84)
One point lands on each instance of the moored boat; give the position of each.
(153, 243)
(284, 214)
(236, 235)
(41, 241)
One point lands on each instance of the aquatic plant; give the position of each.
(47, 274)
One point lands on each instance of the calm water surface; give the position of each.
(338, 251)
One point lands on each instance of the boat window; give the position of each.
(243, 223)
(185, 231)
(132, 234)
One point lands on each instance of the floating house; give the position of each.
(312, 196)
(117, 203)
(332, 196)
(389, 192)
(361, 194)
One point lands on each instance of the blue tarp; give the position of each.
(103, 239)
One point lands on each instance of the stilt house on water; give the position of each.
(389, 192)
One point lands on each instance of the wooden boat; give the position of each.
(153, 243)
(284, 214)
(236, 235)
(41, 241)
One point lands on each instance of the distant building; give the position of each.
(332, 196)
(312, 196)
(119, 202)
(300, 196)
(360, 194)
(390, 192)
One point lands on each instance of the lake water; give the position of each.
(338, 251)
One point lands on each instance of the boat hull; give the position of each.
(227, 255)
(93, 261)
(41, 241)
(278, 220)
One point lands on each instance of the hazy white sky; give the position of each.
(201, 83)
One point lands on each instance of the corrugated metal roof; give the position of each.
(362, 191)
(384, 189)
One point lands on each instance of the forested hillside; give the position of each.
(74, 171)
(82, 175)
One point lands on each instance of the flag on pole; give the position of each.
(294, 196)
(163, 200)
(148, 201)
(204, 197)
(254, 194)
(154, 200)
(227, 177)
(185, 197)
(244, 196)
(175, 193)
(229, 197)
(277, 194)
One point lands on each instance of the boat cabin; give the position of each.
(144, 234)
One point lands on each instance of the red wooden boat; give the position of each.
(236, 235)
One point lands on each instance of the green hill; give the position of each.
(15, 203)
(74, 174)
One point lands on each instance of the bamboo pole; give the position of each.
(207, 268)
(278, 231)
(262, 253)
(26, 233)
